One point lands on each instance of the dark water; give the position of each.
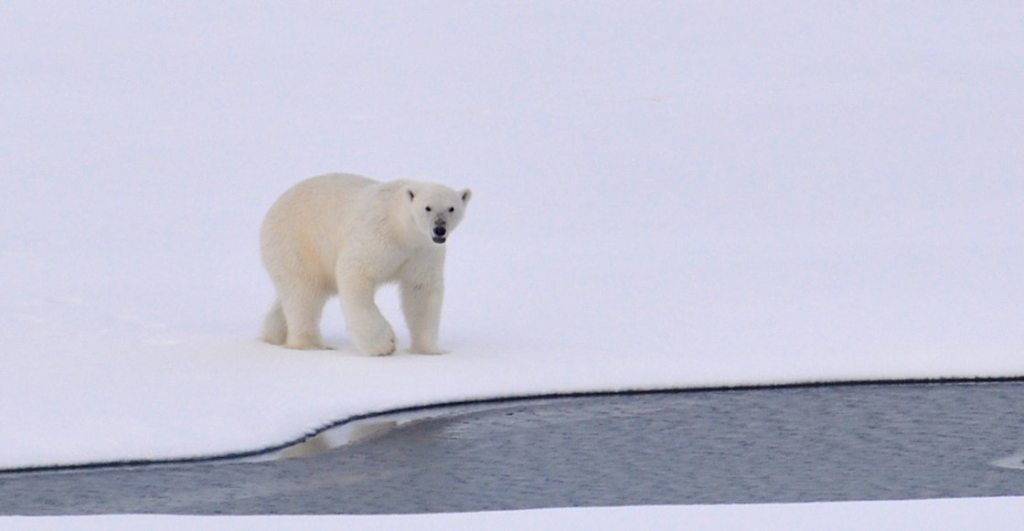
(771, 445)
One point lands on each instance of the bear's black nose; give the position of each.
(439, 231)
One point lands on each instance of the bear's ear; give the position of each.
(466, 194)
(410, 194)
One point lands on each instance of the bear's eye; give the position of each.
(428, 209)
(451, 209)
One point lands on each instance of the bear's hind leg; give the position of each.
(275, 331)
(368, 329)
(302, 308)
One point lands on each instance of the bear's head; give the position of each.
(436, 209)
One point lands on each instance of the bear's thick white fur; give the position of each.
(346, 235)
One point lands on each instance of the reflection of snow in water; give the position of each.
(1015, 461)
(374, 427)
(333, 438)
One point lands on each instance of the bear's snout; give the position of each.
(439, 234)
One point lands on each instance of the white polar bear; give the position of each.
(346, 235)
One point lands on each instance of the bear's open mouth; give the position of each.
(439, 239)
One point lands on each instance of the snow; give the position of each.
(963, 513)
(665, 195)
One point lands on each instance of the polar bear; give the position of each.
(346, 234)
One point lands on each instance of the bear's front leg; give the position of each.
(368, 329)
(421, 304)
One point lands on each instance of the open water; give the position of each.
(844, 442)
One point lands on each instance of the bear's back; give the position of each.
(304, 228)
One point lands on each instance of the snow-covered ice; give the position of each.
(937, 515)
(665, 195)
